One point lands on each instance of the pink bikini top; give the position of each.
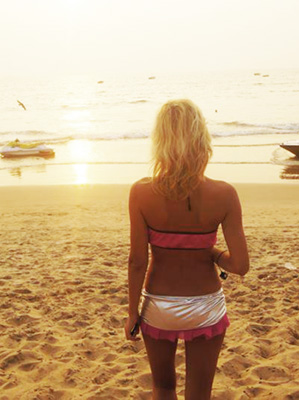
(182, 240)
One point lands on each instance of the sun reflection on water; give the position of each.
(79, 120)
(81, 173)
(80, 150)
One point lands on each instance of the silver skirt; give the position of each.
(182, 313)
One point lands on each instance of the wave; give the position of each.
(237, 124)
(27, 132)
(138, 101)
(102, 102)
(252, 133)
(241, 162)
(247, 145)
(51, 138)
(40, 138)
(59, 164)
(293, 127)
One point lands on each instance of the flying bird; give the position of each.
(21, 104)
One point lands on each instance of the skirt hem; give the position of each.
(208, 332)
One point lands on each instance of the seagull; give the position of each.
(21, 104)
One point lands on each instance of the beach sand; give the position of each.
(63, 299)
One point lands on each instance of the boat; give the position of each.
(20, 149)
(292, 146)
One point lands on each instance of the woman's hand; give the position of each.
(132, 328)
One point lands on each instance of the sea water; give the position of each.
(100, 126)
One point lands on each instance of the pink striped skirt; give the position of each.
(180, 317)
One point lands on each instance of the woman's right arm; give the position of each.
(138, 259)
(236, 259)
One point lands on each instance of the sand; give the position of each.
(63, 298)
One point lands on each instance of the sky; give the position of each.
(146, 36)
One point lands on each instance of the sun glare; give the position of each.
(81, 171)
(78, 119)
(80, 150)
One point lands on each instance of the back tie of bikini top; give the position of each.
(182, 240)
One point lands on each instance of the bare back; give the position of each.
(184, 272)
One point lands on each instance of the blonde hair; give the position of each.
(181, 149)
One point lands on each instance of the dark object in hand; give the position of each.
(223, 275)
(135, 329)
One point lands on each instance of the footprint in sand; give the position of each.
(115, 322)
(269, 299)
(101, 378)
(241, 349)
(19, 358)
(13, 382)
(290, 335)
(258, 330)
(292, 396)
(144, 381)
(110, 394)
(69, 377)
(109, 358)
(22, 291)
(294, 336)
(254, 392)
(22, 319)
(28, 366)
(267, 351)
(128, 348)
(50, 350)
(276, 375)
(44, 393)
(227, 394)
(235, 367)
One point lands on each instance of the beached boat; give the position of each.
(292, 146)
(19, 149)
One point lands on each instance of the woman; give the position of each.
(178, 212)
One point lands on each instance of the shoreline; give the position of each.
(106, 174)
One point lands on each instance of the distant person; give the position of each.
(178, 212)
(15, 143)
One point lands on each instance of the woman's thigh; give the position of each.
(201, 361)
(161, 355)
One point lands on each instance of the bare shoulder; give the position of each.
(141, 187)
(221, 188)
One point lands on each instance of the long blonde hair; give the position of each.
(181, 149)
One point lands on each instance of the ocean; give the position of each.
(99, 126)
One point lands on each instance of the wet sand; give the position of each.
(63, 299)
(245, 159)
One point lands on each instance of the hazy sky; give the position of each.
(150, 36)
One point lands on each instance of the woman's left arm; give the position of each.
(138, 259)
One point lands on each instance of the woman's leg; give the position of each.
(201, 361)
(161, 354)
